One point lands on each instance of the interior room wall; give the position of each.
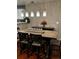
(53, 15)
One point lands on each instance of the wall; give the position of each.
(53, 15)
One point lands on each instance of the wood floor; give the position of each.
(24, 56)
(55, 54)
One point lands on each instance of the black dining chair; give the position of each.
(23, 36)
(37, 43)
(24, 41)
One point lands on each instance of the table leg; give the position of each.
(48, 50)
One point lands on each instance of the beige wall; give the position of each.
(53, 15)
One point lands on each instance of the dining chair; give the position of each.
(24, 41)
(37, 44)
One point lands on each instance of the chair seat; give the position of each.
(36, 44)
(26, 42)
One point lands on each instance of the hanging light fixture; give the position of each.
(27, 14)
(38, 14)
(32, 14)
(44, 11)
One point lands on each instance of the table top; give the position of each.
(44, 33)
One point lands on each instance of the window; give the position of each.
(20, 13)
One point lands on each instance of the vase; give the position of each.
(43, 25)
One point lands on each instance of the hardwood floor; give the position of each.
(55, 54)
(24, 56)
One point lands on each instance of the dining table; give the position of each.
(46, 34)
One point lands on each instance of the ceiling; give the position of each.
(23, 2)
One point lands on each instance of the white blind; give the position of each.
(20, 13)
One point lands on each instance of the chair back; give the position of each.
(36, 38)
(23, 36)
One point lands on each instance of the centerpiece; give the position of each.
(43, 23)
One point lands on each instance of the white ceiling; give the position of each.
(23, 2)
